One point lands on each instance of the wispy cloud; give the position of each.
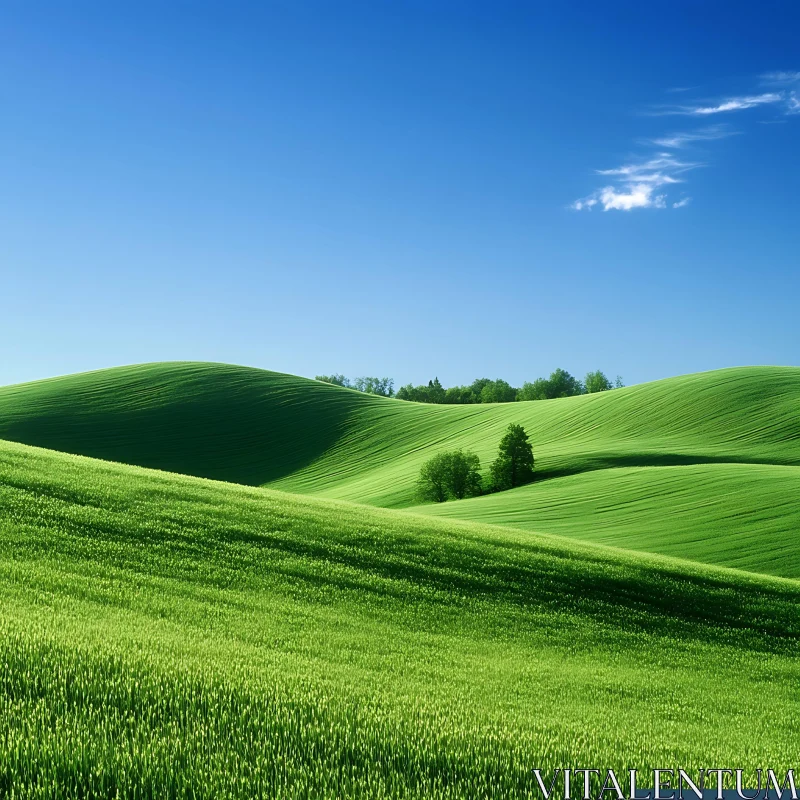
(637, 184)
(646, 182)
(728, 104)
(678, 140)
(780, 78)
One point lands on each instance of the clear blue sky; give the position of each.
(400, 188)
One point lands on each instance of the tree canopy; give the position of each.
(482, 390)
(369, 385)
(514, 463)
(597, 382)
(455, 474)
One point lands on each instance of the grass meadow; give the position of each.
(169, 636)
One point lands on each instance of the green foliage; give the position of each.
(434, 392)
(559, 384)
(461, 395)
(165, 636)
(335, 379)
(432, 483)
(498, 391)
(597, 382)
(380, 386)
(514, 463)
(465, 475)
(366, 384)
(481, 390)
(454, 474)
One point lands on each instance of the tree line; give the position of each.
(382, 386)
(456, 474)
(483, 390)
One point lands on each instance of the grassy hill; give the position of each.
(739, 515)
(167, 636)
(703, 465)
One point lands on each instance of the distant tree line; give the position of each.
(381, 386)
(455, 474)
(483, 390)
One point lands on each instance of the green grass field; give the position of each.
(166, 635)
(702, 466)
(171, 636)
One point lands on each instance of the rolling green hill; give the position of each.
(741, 515)
(169, 636)
(703, 465)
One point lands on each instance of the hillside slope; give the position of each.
(204, 639)
(737, 515)
(662, 467)
(256, 427)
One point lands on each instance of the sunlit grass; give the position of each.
(166, 636)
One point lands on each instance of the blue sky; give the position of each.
(407, 189)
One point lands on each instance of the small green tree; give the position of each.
(465, 475)
(514, 463)
(436, 392)
(433, 478)
(596, 382)
(618, 384)
(450, 474)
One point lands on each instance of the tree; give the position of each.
(536, 390)
(450, 474)
(514, 463)
(596, 382)
(432, 481)
(460, 395)
(436, 393)
(559, 384)
(464, 479)
(336, 380)
(477, 386)
(562, 384)
(498, 391)
(381, 386)
(618, 384)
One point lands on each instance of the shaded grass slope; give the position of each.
(214, 420)
(168, 636)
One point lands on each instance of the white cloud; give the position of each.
(737, 104)
(638, 196)
(624, 198)
(784, 78)
(678, 140)
(729, 104)
(637, 184)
